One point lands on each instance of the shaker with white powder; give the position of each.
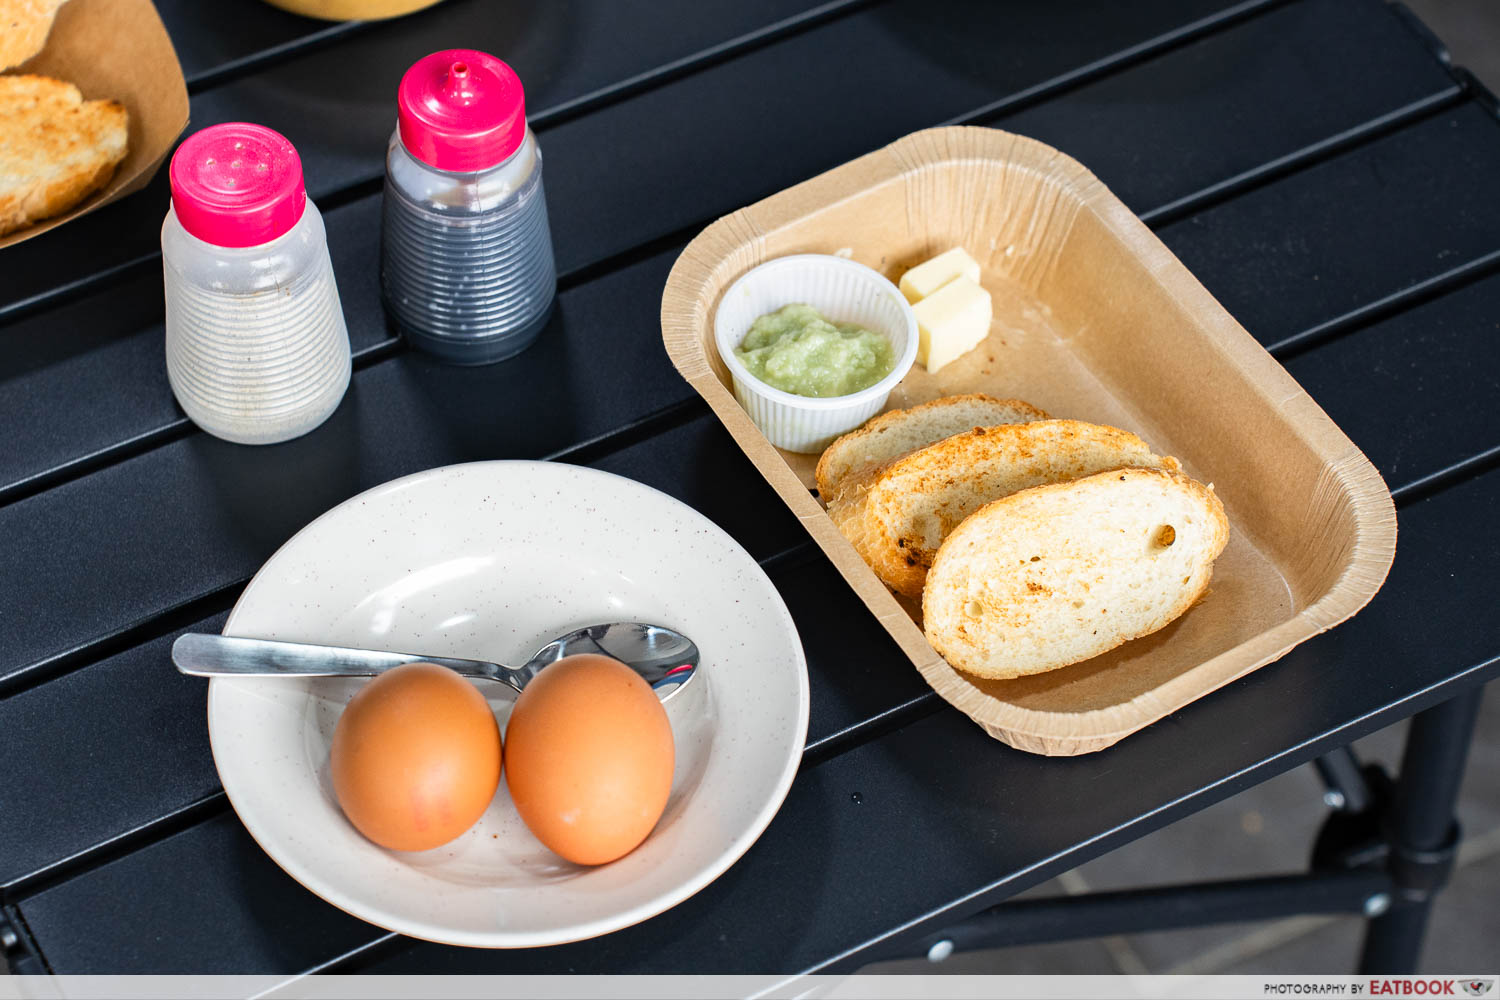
(257, 349)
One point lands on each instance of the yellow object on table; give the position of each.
(951, 322)
(924, 279)
(350, 10)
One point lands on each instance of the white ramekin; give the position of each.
(845, 292)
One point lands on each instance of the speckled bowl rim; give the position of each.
(797, 739)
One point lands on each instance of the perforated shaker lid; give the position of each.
(461, 110)
(237, 184)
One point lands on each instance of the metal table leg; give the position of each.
(1385, 851)
(1421, 831)
(1345, 781)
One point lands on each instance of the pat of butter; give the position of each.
(924, 279)
(951, 321)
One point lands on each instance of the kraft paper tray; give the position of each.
(116, 50)
(1094, 319)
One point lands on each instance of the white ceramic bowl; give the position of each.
(845, 292)
(491, 560)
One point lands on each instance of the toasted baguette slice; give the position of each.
(24, 25)
(893, 434)
(55, 148)
(897, 516)
(1057, 574)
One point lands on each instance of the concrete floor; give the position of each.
(1470, 29)
(1270, 827)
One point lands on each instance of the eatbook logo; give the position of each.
(1410, 986)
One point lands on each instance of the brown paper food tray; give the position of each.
(1094, 319)
(117, 50)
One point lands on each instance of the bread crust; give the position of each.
(931, 421)
(55, 148)
(995, 611)
(897, 515)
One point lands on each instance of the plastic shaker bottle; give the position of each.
(257, 349)
(466, 255)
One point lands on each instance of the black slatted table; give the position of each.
(1317, 164)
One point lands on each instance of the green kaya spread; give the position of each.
(795, 349)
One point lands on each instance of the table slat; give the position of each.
(127, 739)
(106, 348)
(339, 110)
(1351, 229)
(198, 514)
(945, 816)
(212, 40)
(187, 521)
(1414, 366)
(1411, 391)
(1177, 125)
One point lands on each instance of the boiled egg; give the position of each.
(416, 757)
(589, 758)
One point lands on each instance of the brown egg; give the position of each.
(416, 757)
(589, 758)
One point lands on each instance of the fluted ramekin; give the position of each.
(843, 291)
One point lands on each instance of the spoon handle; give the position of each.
(205, 655)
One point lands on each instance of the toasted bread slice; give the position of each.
(897, 515)
(55, 148)
(1057, 574)
(893, 434)
(24, 25)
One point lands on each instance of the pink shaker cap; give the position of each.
(461, 110)
(237, 185)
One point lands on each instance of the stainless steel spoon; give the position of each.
(666, 659)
